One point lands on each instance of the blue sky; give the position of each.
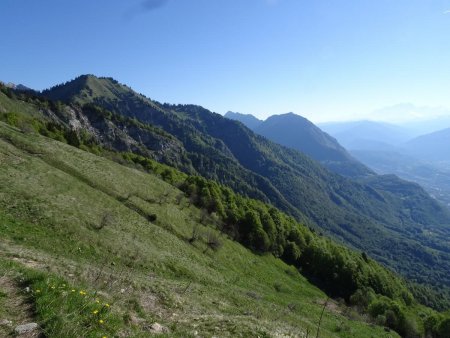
(325, 60)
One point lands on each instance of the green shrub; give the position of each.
(443, 328)
(291, 252)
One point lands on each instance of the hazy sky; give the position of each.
(326, 60)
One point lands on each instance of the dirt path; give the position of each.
(14, 310)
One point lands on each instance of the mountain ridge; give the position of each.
(359, 214)
(432, 146)
(247, 119)
(367, 134)
(297, 132)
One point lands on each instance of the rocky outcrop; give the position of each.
(26, 328)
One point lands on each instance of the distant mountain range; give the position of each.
(391, 149)
(247, 119)
(380, 136)
(419, 120)
(432, 147)
(368, 135)
(19, 87)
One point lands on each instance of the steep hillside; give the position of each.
(209, 155)
(298, 133)
(75, 231)
(393, 228)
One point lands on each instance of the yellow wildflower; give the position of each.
(95, 312)
(101, 321)
(106, 305)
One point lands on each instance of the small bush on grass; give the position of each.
(213, 241)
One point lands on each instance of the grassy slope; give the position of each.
(394, 226)
(53, 198)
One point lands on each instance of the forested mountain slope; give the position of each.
(395, 224)
(120, 249)
(298, 133)
(260, 227)
(106, 250)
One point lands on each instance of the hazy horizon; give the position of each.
(410, 114)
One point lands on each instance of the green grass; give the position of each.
(63, 310)
(69, 217)
(394, 222)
